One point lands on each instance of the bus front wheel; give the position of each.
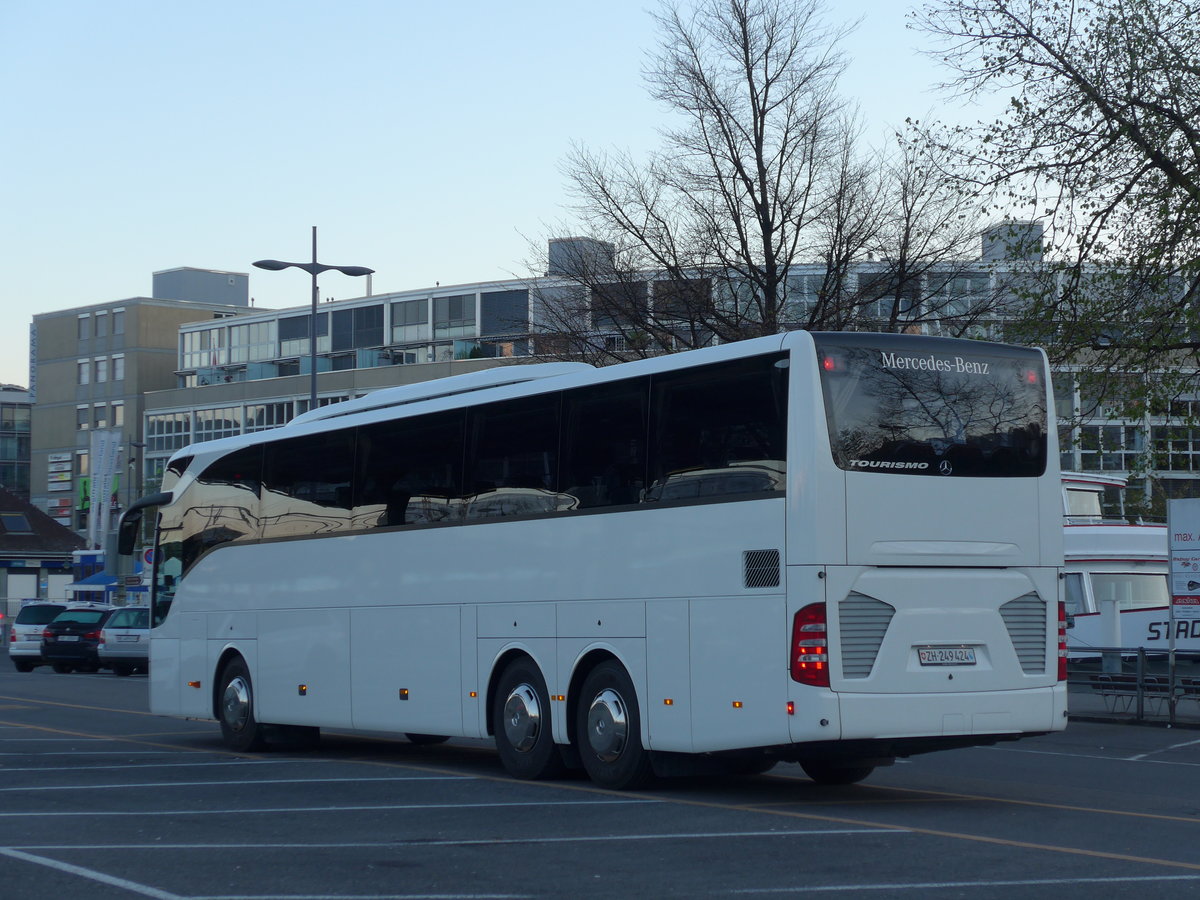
(608, 729)
(239, 729)
(521, 721)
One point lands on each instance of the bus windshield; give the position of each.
(913, 406)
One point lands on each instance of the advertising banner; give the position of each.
(104, 458)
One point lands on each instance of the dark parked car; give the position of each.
(70, 642)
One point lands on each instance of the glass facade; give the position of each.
(14, 447)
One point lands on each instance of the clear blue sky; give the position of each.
(422, 139)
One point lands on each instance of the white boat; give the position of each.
(1115, 575)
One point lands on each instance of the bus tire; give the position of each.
(521, 722)
(240, 731)
(823, 772)
(608, 729)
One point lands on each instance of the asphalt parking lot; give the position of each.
(103, 800)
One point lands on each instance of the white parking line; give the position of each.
(483, 842)
(240, 783)
(158, 894)
(152, 765)
(317, 809)
(1140, 757)
(75, 753)
(90, 874)
(895, 887)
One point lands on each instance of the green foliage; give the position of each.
(1101, 142)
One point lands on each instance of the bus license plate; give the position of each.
(946, 656)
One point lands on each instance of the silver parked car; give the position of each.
(125, 641)
(25, 639)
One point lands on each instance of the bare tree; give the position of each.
(720, 214)
(759, 212)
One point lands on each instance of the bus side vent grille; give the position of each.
(761, 568)
(862, 621)
(1025, 619)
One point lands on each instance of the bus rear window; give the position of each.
(929, 406)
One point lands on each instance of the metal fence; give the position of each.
(1135, 684)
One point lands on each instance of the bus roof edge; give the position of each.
(441, 387)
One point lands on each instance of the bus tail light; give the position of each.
(1062, 641)
(810, 646)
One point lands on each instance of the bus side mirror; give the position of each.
(128, 532)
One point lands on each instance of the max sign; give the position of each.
(1183, 527)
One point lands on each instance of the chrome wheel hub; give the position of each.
(235, 703)
(522, 718)
(608, 725)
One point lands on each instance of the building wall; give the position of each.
(141, 357)
(202, 286)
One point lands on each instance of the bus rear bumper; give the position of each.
(901, 716)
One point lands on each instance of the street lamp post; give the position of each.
(313, 268)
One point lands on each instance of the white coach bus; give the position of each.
(835, 549)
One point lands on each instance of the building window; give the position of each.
(410, 321)
(454, 316)
(102, 324)
(100, 415)
(118, 415)
(218, 423)
(293, 335)
(101, 370)
(14, 523)
(82, 418)
(83, 371)
(252, 341)
(1117, 448)
(204, 349)
(84, 326)
(118, 321)
(118, 367)
(168, 431)
(357, 328)
(262, 416)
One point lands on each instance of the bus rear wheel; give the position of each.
(521, 721)
(240, 731)
(823, 772)
(608, 729)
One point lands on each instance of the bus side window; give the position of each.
(604, 443)
(512, 458)
(718, 430)
(307, 484)
(409, 471)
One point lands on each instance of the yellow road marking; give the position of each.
(763, 809)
